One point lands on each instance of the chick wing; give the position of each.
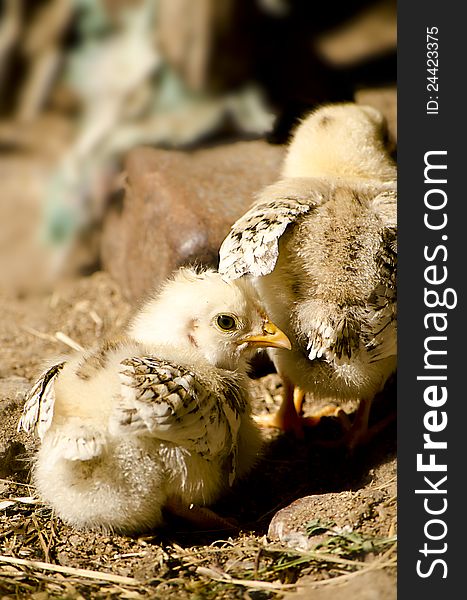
(252, 246)
(173, 403)
(39, 403)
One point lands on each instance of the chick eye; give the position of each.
(226, 322)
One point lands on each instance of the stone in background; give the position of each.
(179, 206)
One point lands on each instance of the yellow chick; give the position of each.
(320, 245)
(157, 419)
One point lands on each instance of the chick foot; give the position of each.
(287, 418)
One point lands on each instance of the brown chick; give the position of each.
(320, 245)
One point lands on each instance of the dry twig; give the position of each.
(73, 571)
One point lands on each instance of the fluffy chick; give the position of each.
(321, 247)
(157, 419)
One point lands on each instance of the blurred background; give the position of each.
(85, 82)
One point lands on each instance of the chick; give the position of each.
(157, 419)
(321, 247)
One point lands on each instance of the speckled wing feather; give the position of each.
(382, 332)
(385, 205)
(39, 404)
(334, 340)
(172, 403)
(252, 246)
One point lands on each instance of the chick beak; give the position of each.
(272, 337)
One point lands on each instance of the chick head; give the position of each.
(348, 140)
(199, 311)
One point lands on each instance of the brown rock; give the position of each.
(179, 206)
(344, 509)
(372, 585)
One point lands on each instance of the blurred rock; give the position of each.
(179, 206)
(210, 48)
(216, 46)
(370, 31)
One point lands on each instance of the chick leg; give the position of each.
(201, 516)
(298, 398)
(289, 418)
(358, 433)
(286, 418)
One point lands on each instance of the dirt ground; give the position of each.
(349, 550)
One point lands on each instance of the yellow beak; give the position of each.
(272, 337)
